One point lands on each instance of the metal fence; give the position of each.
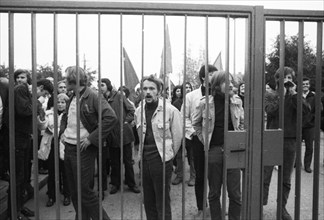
(249, 150)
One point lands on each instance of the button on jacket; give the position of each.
(172, 126)
(199, 119)
(89, 116)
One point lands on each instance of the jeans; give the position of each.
(115, 165)
(22, 147)
(51, 176)
(153, 188)
(190, 156)
(215, 180)
(89, 199)
(199, 161)
(289, 156)
(308, 136)
(179, 164)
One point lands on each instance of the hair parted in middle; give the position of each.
(71, 75)
(218, 79)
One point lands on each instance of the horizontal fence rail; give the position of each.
(245, 150)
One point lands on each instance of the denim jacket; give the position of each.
(173, 129)
(199, 118)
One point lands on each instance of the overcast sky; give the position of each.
(153, 44)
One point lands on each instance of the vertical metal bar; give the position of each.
(100, 97)
(142, 115)
(184, 113)
(78, 115)
(299, 118)
(206, 146)
(12, 146)
(34, 108)
(247, 78)
(256, 116)
(234, 48)
(164, 113)
(226, 115)
(121, 118)
(56, 141)
(318, 86)
(281, 111)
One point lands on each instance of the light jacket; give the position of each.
(172, 126)
(89, 116)
(192, 101)
(199, 119)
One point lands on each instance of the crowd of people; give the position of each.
(151, 125)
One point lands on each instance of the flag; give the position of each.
(130, 76)
(168, 59)
(218, 62)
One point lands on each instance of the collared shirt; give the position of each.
(305, 94)
(70, 132)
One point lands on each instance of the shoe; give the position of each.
(66, 201)
(114, 189)
(285, 214)
(191, 181)
(43, 171)
(27, 212)
(199, 215)
(176, 180)
(308, 169)
(135, 189)
(50, 203)
(22, 217)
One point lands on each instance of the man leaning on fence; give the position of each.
(89, 140)
(152, 130)
(215, 143)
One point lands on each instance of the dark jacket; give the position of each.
(23, 110)
(310, 119)
(127, 118)
(272, 101)
(89, 116)
(4, 90)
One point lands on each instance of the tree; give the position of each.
(193, 67)
(291, 57)
(44, 71)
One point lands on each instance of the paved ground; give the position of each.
(133, 208)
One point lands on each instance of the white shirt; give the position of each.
(70, 132)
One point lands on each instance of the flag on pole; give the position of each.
(218, 62)
(130, 76)
(168, 60)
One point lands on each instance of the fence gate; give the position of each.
(250, 150)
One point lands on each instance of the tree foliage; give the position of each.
(44, 71)
(291, 59)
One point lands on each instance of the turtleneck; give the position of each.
(150, 149)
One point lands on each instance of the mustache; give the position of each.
(148, 96)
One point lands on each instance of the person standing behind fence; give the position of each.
(308, 127)
(61, 104)
(215, 143)
(151, 134)
(192, 101)
(4, 129)
(89, 140)
(127, 117)
(290, 125)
